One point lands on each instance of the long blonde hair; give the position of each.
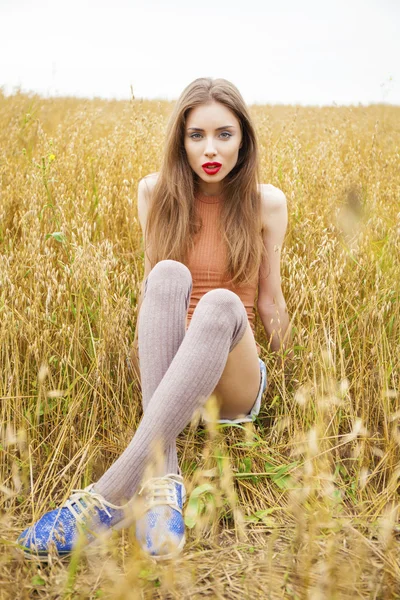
(172, 221)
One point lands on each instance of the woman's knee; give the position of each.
(170, 270)
(224, 308)
(222, 298)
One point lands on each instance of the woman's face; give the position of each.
(212, 134)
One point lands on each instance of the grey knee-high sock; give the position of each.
(167, 295)
(218, 324)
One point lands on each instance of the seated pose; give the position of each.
(212, 237)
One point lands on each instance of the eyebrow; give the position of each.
(217, 129)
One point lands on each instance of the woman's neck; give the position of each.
(211, 191)
(209, 198)
(210, 195)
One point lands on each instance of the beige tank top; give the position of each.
(206, 261)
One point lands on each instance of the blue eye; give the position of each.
(224, 132)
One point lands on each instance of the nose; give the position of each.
(210, 150)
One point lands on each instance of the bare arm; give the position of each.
(271, 302)
(144, 192)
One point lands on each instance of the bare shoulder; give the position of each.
(274, 204)
(145, 189)
(272, 196)
(149, 181)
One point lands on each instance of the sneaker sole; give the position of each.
(45, 557)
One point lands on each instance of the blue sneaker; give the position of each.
(160, 529)
(58, 530)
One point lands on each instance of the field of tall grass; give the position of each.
(304, 503)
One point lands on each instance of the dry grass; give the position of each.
(304, 504)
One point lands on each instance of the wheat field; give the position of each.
(304, 503)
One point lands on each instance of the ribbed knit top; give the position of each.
(206, 261)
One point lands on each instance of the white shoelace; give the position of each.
(91, 500)
(161, 490)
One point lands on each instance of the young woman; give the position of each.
(213, 237)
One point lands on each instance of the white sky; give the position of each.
(282, 51)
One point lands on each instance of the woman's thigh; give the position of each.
(238, 386)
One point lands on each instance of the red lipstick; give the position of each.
(211, 168)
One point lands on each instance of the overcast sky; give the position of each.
(313, 52)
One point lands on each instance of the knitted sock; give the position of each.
(167, 293)
(218, 324)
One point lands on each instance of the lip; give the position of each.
(211, 168)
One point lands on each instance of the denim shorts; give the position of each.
(257, 404)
